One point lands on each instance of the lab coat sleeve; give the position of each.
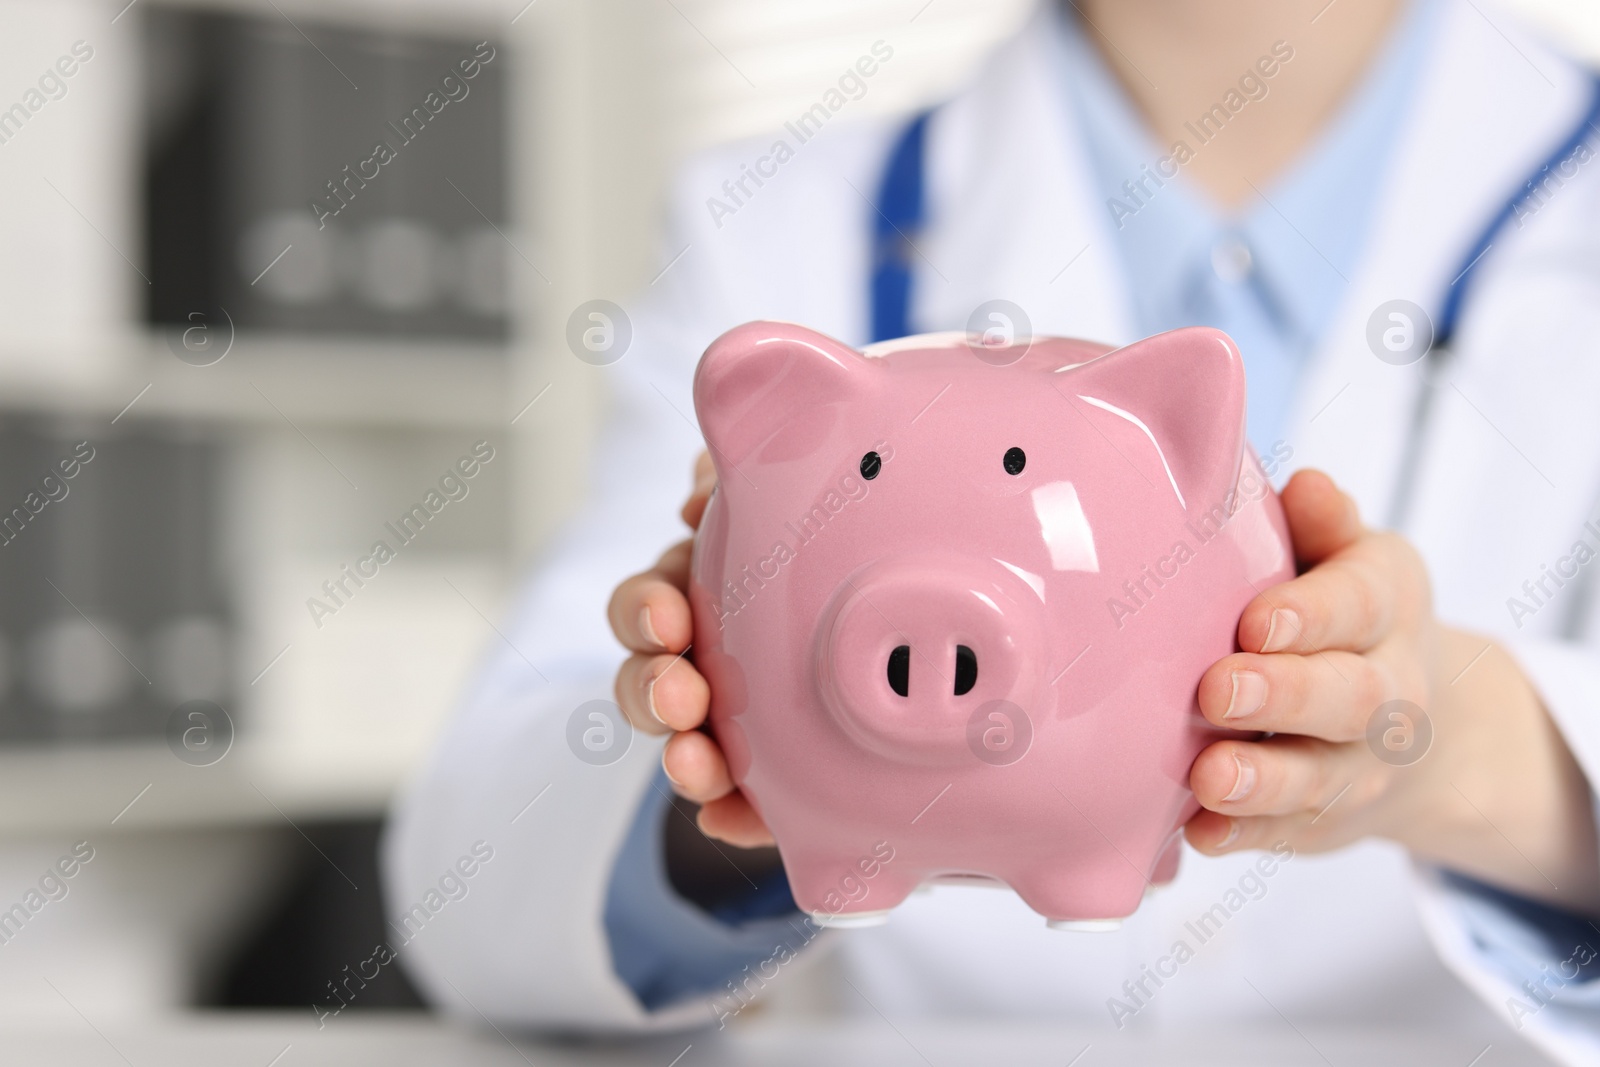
(668, 950)
(1537, 965)
(527, 943)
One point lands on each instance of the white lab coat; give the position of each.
(1509, 469)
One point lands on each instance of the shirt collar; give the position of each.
(1305, 231)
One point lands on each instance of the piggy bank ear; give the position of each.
(1184, 392)
(773, 390)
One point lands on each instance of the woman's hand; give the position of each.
(1496, 796)
(661, 692)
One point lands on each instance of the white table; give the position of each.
(404, 1039)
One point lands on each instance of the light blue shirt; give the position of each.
(1271, 277)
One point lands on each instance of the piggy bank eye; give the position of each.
(871, 463)
(1015, 459)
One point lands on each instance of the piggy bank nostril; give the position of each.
(966, 670)
(900, 670)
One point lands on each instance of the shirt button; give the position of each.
(1231, 261)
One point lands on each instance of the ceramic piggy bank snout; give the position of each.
(913, 643)
(953, 604)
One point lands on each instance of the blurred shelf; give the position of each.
(329, 730)
(267, 379)
(105, 789)
(456, 16)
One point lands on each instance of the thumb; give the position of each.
(1323, 519)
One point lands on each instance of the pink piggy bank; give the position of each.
(954, 601)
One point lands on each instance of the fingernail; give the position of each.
(650, 700)
(1249, 694)
(648, 629)
(1244, 781)
(1233, 834)
(667, 771)
(1281, 629)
